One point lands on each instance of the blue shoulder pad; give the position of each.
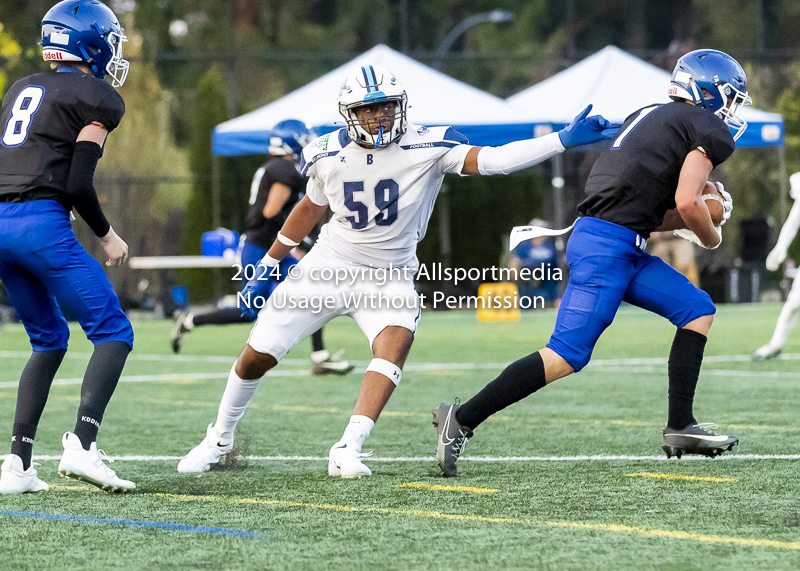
(453, 135)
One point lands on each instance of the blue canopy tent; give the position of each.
(433, 99)
(617, 84)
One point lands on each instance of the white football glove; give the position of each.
(775, 259)
(727, 202)
(687, 234)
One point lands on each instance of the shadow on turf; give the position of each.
(237, 459)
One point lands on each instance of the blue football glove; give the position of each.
(255, 287)
(585, 130)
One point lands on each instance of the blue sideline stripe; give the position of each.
(170, 526)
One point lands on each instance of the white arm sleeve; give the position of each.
(518, 155)
(790, 227)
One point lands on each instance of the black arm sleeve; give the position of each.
(80, 186)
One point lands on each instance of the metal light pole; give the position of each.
(463, 26)
(444, 196)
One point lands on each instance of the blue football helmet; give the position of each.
(85, 31)
(289, 137)
(715, 81)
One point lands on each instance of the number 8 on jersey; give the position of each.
(25, 106)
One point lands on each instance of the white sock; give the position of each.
(358, 430)
(788, 317)
(188, 321)
(320, 356)
(238, 393)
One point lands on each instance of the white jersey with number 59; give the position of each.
(383, 198)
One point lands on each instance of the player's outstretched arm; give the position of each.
(788, 232)
(526, 153)
(688, 199)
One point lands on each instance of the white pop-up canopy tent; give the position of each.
(433, 98)
(617, 84)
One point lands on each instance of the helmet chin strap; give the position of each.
(380, 137)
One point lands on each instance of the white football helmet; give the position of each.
(372, 84)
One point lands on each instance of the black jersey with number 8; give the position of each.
(42, 117)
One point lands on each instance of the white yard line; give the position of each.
(169, 377)
(230, 358)
(706, 372)
(655, 365)
(593, 458)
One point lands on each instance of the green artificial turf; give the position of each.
(546, 513)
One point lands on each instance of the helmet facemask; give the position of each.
(360, 130)
(729, 112)
(367, 85)
(117, 66)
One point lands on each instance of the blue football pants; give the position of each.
(43, 265)
(608, 266)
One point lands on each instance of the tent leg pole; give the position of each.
(558, 191)
(216, 217)
(558, 207)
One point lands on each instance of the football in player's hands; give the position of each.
(713, 200)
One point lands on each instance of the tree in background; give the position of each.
(209, 110)
(10, 52)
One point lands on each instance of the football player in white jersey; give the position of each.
(380, 176)
(787, 320)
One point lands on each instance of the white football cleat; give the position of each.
(15, 480)
(345, 460)
(89, 466)
(323, 363)
(210, 451)
(768, 351)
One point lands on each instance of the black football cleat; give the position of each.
(179, 331)
(451, 437)
(697, 438)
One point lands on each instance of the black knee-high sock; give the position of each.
(99, 382)
(520, 379)
(34, 385)
(221, 317)
(316, 341)
(685, 359)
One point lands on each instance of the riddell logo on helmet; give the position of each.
(673, 90)
(52, 55)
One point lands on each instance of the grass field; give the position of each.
(548, 507)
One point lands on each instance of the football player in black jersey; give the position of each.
(54, 127)
(650, 178)
(276, 189)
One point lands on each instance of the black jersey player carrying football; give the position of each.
(54, 126)
(649, 177)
